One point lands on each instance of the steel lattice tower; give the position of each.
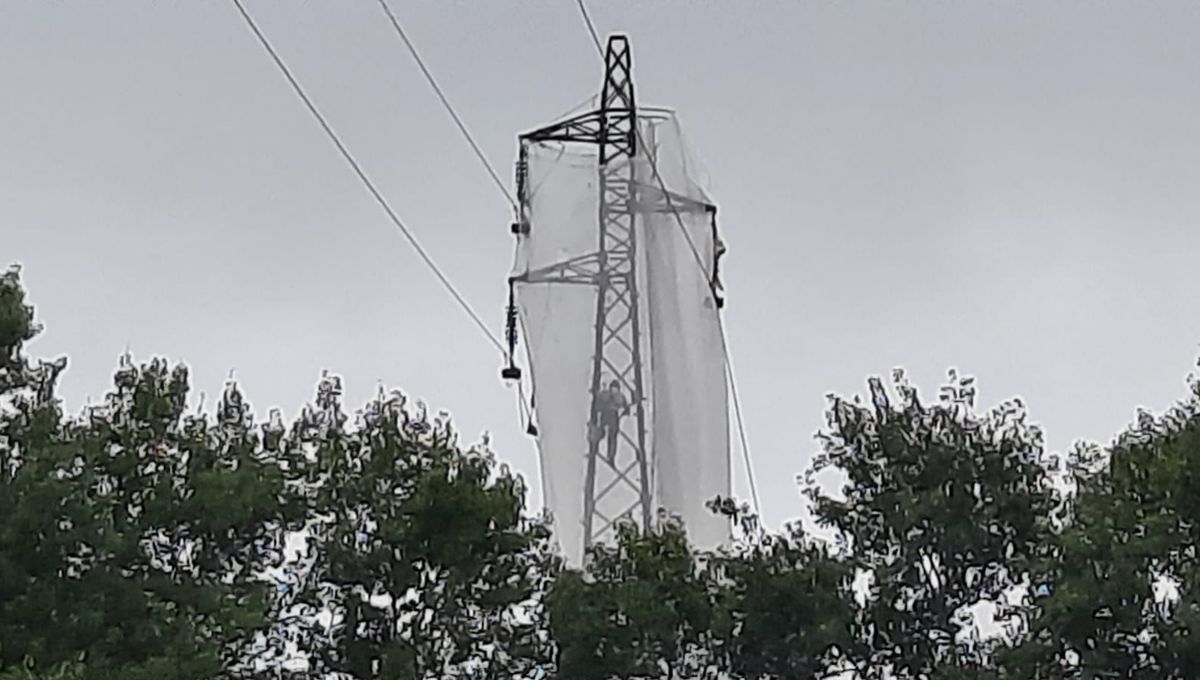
(612, 269)
(622, 487)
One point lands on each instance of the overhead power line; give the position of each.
(362, 175)
(523, 405)
(737, 405)
(446, 103)
(741, 425)
(591, 27)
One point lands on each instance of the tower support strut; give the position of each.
(617, 487)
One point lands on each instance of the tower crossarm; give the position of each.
(582, 270)
(653, 199)
(586, 127)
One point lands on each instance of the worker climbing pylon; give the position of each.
(611, 405)
(718, 251)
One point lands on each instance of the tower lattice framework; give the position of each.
(629, 188)
(620, 488)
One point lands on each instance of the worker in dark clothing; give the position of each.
(718, 252)
(611, 404)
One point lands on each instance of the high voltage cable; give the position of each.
(587, 19)
(362, 175)
(403, 35)
(523, 406)
(445, 281)
(737, 405)
(741, 426)
(446, 103)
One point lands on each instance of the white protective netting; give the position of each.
(688, 388)
(683, 361)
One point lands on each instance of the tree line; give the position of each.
(146, 539)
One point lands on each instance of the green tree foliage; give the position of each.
(128, 537)
(1135, 525)
(138, 541)
(17, 327)
(420, 549)
(785, 608)
(135, 539)
(652, 607)
(942, 509)
(642, 609)
(28, 671)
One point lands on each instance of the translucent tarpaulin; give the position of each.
(690, 414)
(682, 363)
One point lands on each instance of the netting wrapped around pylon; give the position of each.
(627, 371)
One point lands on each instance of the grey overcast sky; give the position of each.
(1010, 188)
